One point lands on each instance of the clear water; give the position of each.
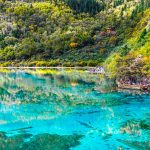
(67, 110)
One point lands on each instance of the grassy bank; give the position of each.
(51, 63)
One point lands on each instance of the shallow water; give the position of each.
(67, 110)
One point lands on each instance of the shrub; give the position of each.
(81, 63)
(92, 63)
(73, 45)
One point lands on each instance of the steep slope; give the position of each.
(75, 33)
(132, 58)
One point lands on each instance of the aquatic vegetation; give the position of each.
(12, 143)
(41, 141)
(55, 142)
(132, 129)
(137, 145)
(135, 126)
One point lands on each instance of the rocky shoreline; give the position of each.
(134, 87)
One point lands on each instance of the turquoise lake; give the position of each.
(69, 110)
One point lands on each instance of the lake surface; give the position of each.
(66, 109)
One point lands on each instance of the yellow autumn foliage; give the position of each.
(73, 45)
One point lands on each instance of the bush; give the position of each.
(8, 53)
(10, 40)
(54, 62)
(68, 64)
(81, 63)
(92, 63)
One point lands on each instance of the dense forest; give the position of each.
(112, 33)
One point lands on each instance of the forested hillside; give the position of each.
(113, 33)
